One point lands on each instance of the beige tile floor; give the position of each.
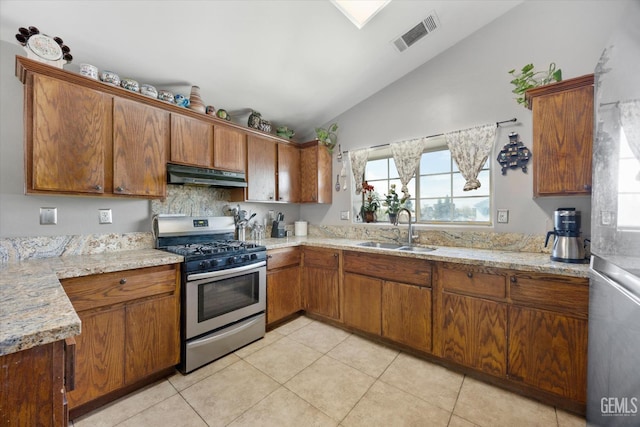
(306, 373)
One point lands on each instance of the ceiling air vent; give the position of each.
(424, 27)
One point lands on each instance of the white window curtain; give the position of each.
(470, 148)
(358, 159)
(630, 122)
(406, 155)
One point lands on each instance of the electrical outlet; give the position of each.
(48, 216)
(503, 216)
(105, 216)
(344, 215)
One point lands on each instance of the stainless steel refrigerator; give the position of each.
(613, 383)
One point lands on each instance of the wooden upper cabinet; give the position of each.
(261, 169)
(68, 137)
(191, 141)
(229, 149)
(140, 147)
(562, 137)
(316, 172)
(288, 173)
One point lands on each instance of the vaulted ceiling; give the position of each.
(298, 62)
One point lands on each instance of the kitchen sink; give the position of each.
(415, 249)
(380, 245)
(396, 246)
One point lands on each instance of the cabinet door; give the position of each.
(315, 175)
(563, 138)
(229, 149)
(406, 314)
(100, 358)
(284, 293)
(549, 351)
(191, 141)
(30, 383)
(152, 337)
(288, 173)
(362, 301)
(261, 165)
(321, 282)
(71, 137)
(140, 147)
(474, 333)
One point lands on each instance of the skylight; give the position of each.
(360, 11)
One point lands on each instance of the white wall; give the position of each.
(469, 85)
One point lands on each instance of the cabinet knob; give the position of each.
(123, 281)
(514, 279)
(269, 256)
(469, 274)
(119, 189)
(335, 255)
(97, 187)
(587, 187)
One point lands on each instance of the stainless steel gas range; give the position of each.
(223, 286)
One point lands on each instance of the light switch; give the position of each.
(503, 216)
(48, 216)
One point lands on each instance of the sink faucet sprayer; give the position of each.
(410, 231)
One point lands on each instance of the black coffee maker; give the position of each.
(567, 244)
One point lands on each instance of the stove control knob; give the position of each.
(215, 262)
(254, 256)
(235, 260)
(205, 264)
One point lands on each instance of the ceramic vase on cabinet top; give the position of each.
(195, 101)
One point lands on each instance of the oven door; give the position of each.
(220, 298)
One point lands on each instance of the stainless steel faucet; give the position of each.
(410, 231)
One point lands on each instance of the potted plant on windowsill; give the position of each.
(328, 136)
(370, 202)
(394, 203)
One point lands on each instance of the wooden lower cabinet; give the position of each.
(32, 387)
(320, 273)
(406, 314)
(474, 333)
(100, 357)
(363, 303)
(130, 330)
(284, 288)
(548, 351)
(548, 333)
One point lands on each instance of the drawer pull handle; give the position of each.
(123, 281)
(514, 279)
(269, 256)
(469, 274)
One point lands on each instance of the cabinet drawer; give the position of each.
(278, 258)
(389, 267)
(323, 258)
(558, 293)
(112, 288)
(473, 281)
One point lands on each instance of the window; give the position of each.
(437, 196)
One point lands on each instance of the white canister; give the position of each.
(300, 228)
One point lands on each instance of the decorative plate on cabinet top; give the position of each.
(45, 47)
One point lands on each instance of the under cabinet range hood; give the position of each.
(191, 175)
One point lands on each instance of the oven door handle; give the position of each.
(208, 340)
(227, 272)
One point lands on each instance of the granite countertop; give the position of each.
(522, 261)
(35, 310)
